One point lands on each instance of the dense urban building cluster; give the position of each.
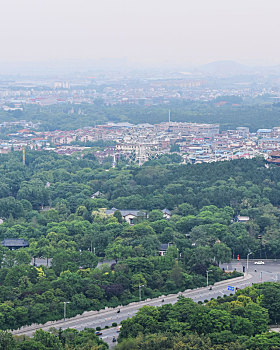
(194, 142)
(141, 88)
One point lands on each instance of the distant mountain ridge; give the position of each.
(230, 68)
(225, 67)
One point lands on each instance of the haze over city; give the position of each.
(139, 175)
(178, 32)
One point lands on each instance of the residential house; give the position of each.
(240, 218)
(128, 215)
(97, 194)
(163, 248)
(166, 213)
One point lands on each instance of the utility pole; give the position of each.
(65, 302)
(207, 279)
(140, 286)
(248, 260)
(23, 155)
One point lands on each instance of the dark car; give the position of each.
(98, 333)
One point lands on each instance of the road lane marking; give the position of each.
(95, 317)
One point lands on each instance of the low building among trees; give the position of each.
(128, 215)
(14, 243)
(240, 218)
(274, 158)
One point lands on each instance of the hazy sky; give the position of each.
(147, 31)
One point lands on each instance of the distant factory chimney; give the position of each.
(23, 156)
(169, 117)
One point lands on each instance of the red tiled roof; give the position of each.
(25, 131)
(275, 154)
(275, 161)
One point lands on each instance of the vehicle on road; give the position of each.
(118, 329)
(259, 262)
(98, 333)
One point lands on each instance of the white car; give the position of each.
(259, 262)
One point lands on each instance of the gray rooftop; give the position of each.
(14, 242)
(125, 212)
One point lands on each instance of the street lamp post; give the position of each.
(140, 286)
(65, 302)
(248, 260)
(207, 279)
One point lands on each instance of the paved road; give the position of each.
(108, 335)
(102, 318)
(270, 271)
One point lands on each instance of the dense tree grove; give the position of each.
(237, 322)
(204, 198)
(32, 294)
(48, 202)
(69, 339)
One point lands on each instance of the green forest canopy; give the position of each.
(204, 200)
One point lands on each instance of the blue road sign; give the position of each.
(230, 288)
